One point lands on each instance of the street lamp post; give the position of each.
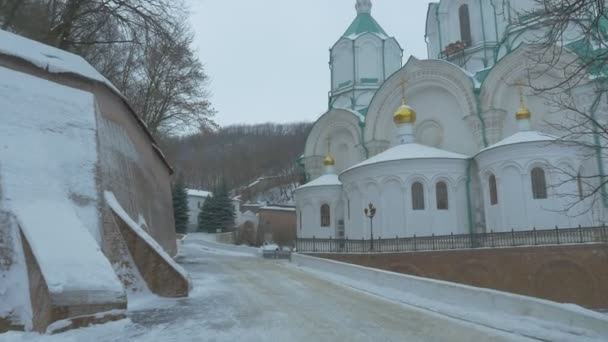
(370, 212)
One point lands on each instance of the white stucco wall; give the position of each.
(195, 204)
(308, 208)
(516, 207)
(388, 187)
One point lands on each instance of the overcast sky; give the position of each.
(268, 59)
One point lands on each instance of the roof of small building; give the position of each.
(278, 208)
(198, 193)
(408, 152)
(364, 23)
(522, 137)
(324, 180)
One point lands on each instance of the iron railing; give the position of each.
(513, 238)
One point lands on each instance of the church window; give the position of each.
(465, 24)
(539, 183)
(348, 209)
(493, 190)
(579, 181)
(417, 196)
(325, 218)
(441, 192)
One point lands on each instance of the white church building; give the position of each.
(456, 143)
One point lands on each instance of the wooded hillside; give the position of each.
(240, 154)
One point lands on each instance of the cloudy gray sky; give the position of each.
(268, 59)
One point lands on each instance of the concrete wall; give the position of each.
(46, 309)
(162, 279)
(130, 164)
(518, 314)
(567, 274)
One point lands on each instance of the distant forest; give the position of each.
(238, 154)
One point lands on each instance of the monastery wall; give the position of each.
(567, 274)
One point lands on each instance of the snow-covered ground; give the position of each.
(243, 298)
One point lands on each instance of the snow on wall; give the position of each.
(48, 157)
(118, 209)
(49, 58)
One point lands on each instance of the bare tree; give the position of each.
(142, 46)
(569, 44)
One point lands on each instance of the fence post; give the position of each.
(331, 249)
(362, 245)
(314, 247)
(415, 242)
(379, 244)
(452, 238)
(492, 237)
(346, 244)
(535, 239)
(433, 240)
(513, 237)
(396, 243)
(580, 232)
(557, 235)
(604, 234)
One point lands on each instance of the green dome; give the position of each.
(364, 23)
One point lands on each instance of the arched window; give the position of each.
(417, 196)
(325, 218)
(465, 24)
(493, 190)
(441, 192)
(539, 184)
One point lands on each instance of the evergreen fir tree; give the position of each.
(217, 212)
(205, 217)
(180, 207)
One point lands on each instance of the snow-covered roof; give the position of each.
(198, 193)
(522, 137)
(49, 58)
(407, 152)
(324, 180)
(278, 208)
(364, 23)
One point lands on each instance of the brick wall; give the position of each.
(279, 224)
(567, 274)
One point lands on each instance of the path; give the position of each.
(238, 298)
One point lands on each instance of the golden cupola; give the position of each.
(523, 113)
(329, 160)
(404, 114)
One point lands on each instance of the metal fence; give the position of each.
(557, 236)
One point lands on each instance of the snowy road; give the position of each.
(238, 298)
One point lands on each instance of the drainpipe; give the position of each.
(483, 32)
(331, 73)
(383, 60)
(362, 128)
(469, 205)
(495, 25)
(598, 151)
(438, 30)
(354, 76)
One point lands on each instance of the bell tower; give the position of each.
(361, 60)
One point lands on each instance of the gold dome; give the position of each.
(329, 161)
(523, 113)
(404, 114)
